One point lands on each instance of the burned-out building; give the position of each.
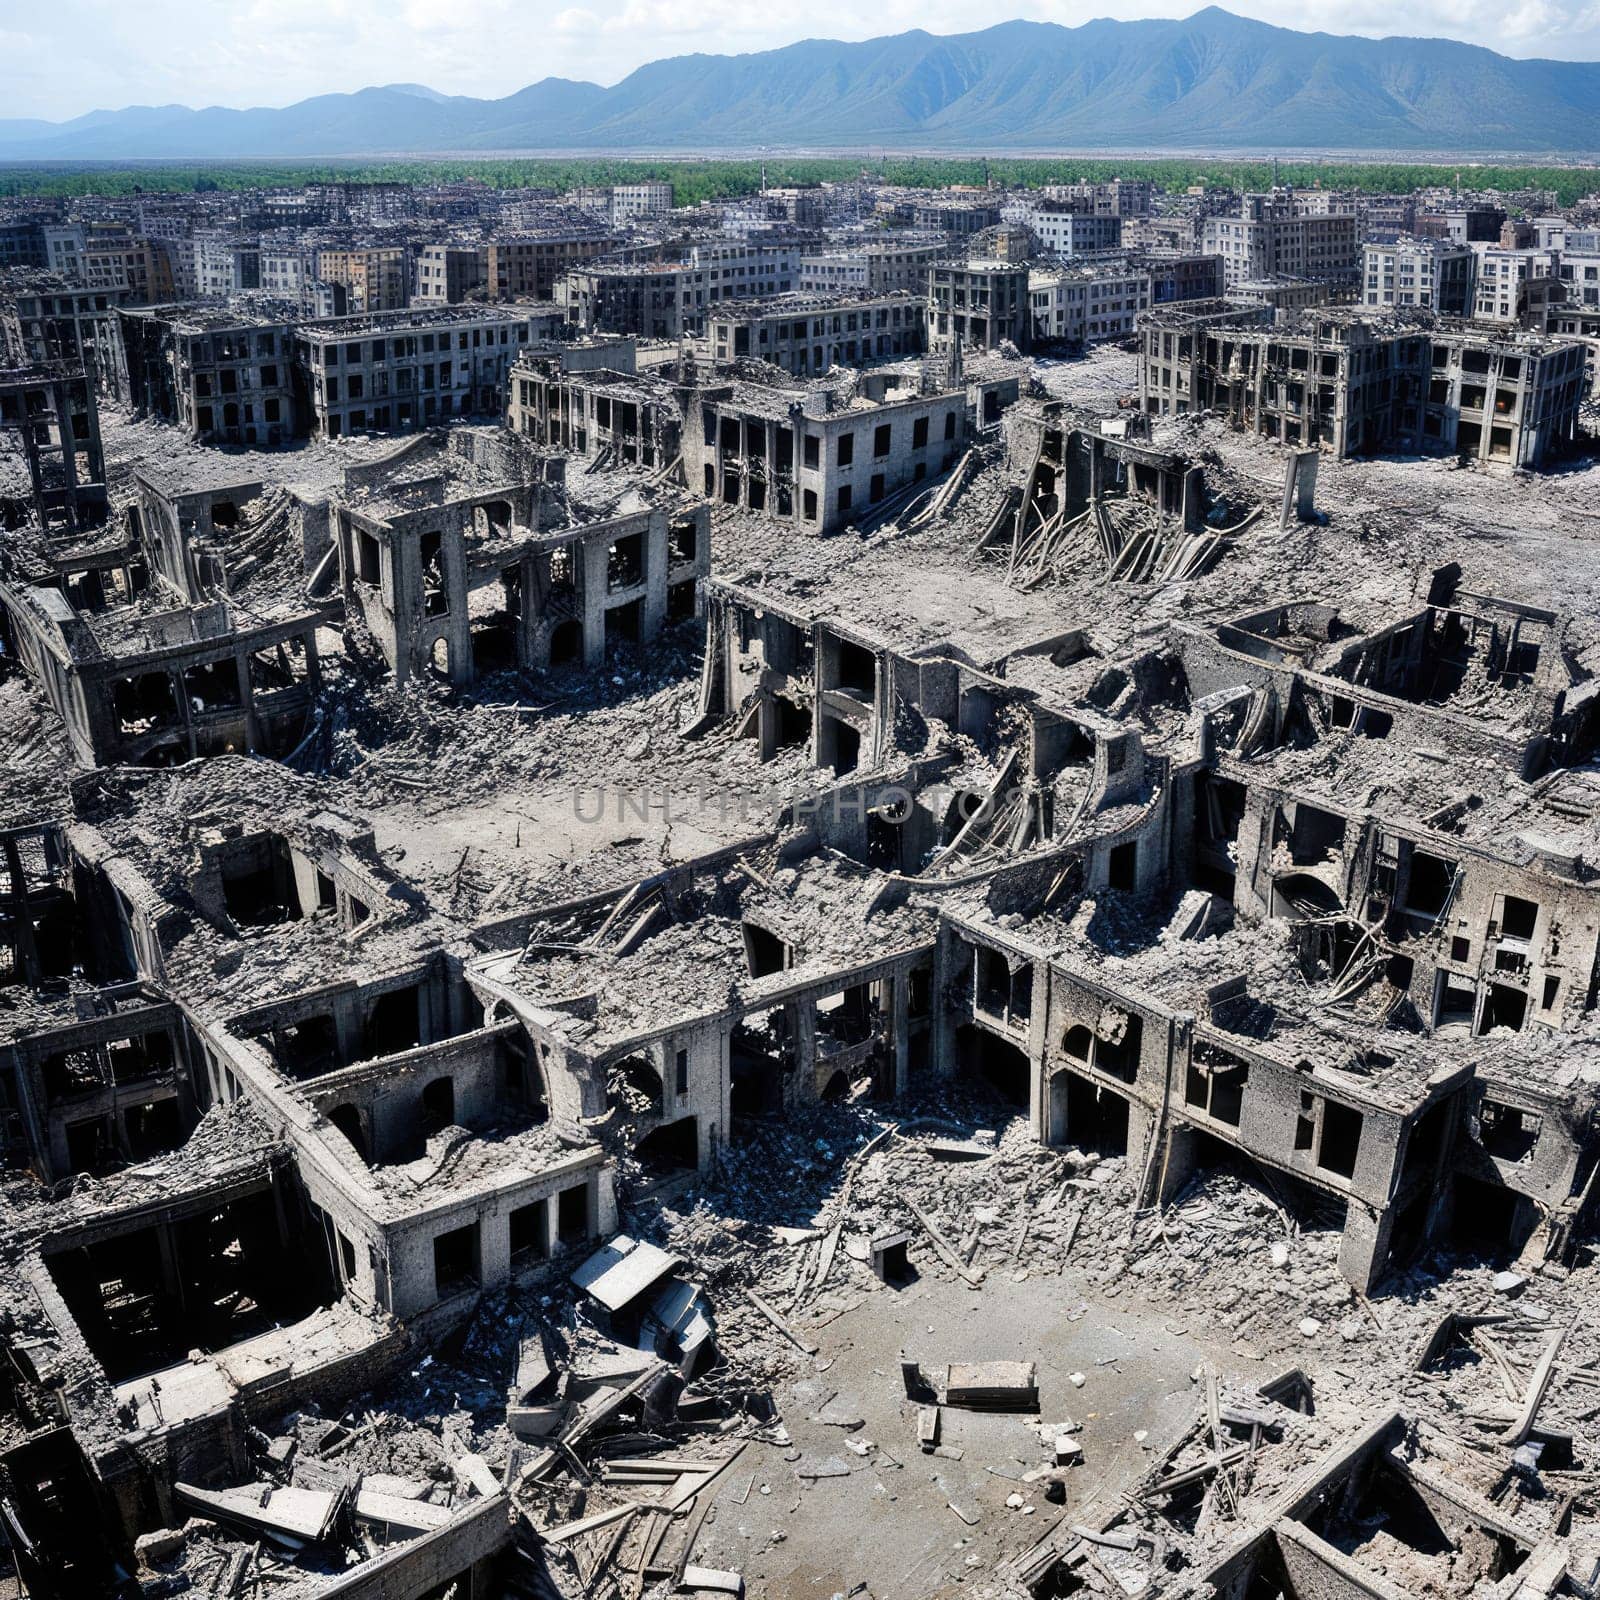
(978, 304)
(49, 421)
(1355, 382)
(412, 369)
(835, 451)
(809, 333)
(257, 373)
(871, 266)
(176, 641)
(47, 318)
(1283, 231)
(589, 399)
(667, 299)
(220, 373)
(459, 569)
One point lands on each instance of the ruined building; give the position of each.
(1352, 382)
(810, 333)
(253, 373)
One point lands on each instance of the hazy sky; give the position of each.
(65, 57)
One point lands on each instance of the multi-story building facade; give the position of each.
(824, 456)
(1386, 216)
(1087, 304)
(1062, 231)
(1436, 274)
(112, 259)
(63, 250)
(1581, 322)
(1272, 234)
(287, 266)
(632, 201)
(1351, 383)
(257, 373)
(1465, 224)
(225, 264)
(220, 372)
(876, 268)
(50, 424)
(22, 243)
(448, 273)
(807, 334)
(1283, 292)
(288, 273)
(1579, 273)
(410, 369)
(45, 319)
(820, 454)
(1121, 197)
(1182, 233)
(528, 266)
(378, 277)
(1508, 281)
(958, 217)
(624, 203)
(978, 304)
(668, 299)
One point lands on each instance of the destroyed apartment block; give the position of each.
(160, 647)
(808, 334)
(822, 454)
(1093, 910)
(696, 1002)
(253, 372)
(47, 416)
(49, 320)
(1354, 381)
(456, 579)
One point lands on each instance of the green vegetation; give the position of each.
(709, 180)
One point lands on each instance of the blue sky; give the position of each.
(66, 57)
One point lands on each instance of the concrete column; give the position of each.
(602, 1203)
(803, 1033)
(1254, 843)
(592, 603)
(549, 1233)
(1364, 1249)
(494, 1248)
(528, 620)
(942, 1028)
(767, 727)
(1193, 490)
(247, 699)
(1177, 1161)
(725, 1087)
(656, 543)
(900, 1027)
(180, 695)
(57, 1154)
(171, 1278)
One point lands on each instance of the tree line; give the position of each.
(697, 180)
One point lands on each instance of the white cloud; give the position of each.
(576, 20)
(78, 55)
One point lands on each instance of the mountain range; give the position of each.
(1208, 81)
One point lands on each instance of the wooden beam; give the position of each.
(777, 1320)
(942, 1246)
